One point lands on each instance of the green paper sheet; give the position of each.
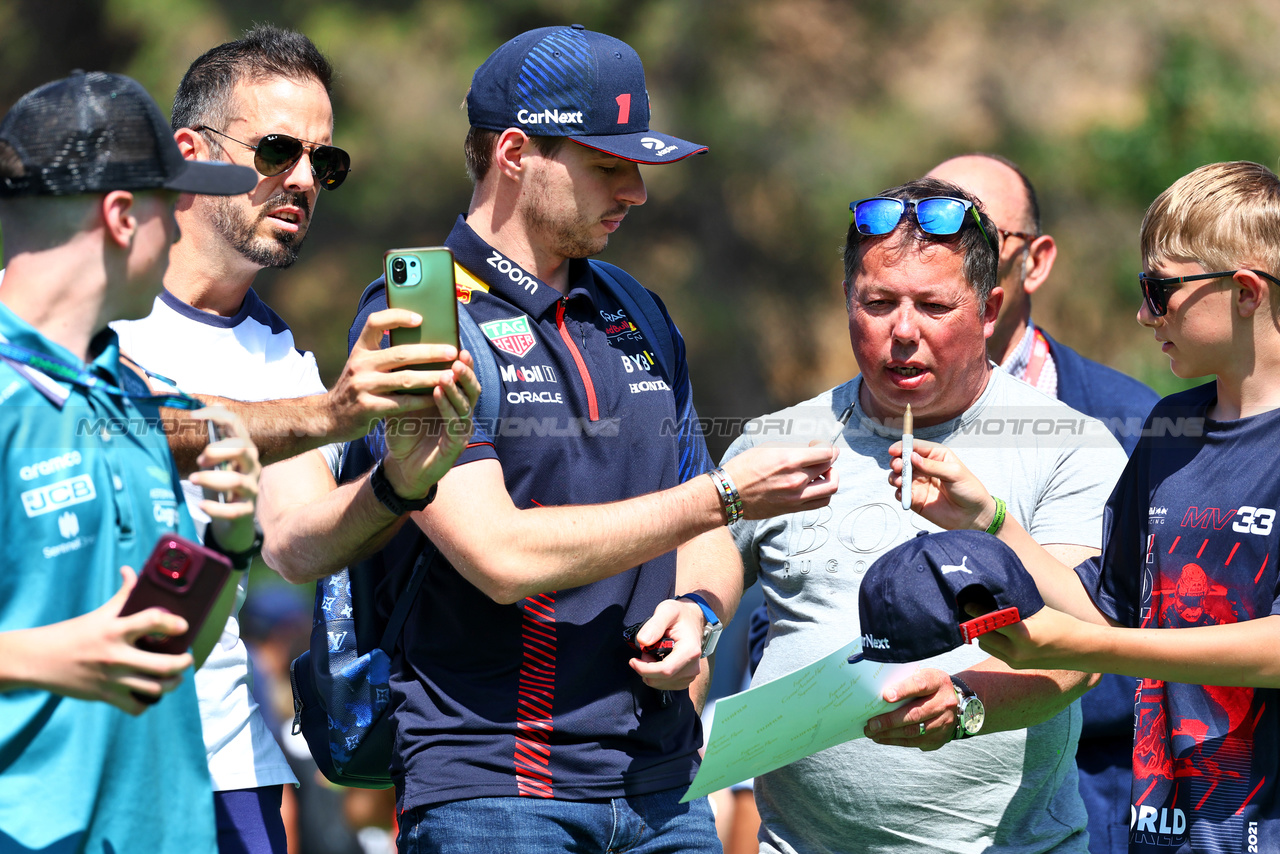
(811, 709)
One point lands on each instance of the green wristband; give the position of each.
(997, 521)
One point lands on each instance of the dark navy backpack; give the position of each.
(341, 684)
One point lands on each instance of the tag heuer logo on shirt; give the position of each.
(511, 335)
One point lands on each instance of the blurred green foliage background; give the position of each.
(806, 105)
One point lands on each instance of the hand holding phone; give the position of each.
(421, 280)
(183, 578)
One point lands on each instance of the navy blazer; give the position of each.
(1115, 399)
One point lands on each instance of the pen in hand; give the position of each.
(906, 459)
(844, 420)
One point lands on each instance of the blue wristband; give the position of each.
(711, 632)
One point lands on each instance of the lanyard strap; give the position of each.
(80, 376)
(1039, 353)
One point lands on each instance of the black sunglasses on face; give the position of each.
(277, 152)
(1156, 291)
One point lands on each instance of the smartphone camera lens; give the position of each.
(399, 275)
(174, 563)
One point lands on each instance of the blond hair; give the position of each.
(1223, 216)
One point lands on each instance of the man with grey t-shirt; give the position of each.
(920, 273)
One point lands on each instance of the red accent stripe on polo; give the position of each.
(593, 410)
(535, 698)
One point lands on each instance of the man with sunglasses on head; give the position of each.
(922, 297)
(262, 101)
(1027, 352)
(1185, 595)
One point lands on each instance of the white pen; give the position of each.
(906, 459)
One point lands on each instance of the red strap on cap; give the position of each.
(987, 622)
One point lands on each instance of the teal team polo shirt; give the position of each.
(89, 486)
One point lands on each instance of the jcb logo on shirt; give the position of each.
(55, 496)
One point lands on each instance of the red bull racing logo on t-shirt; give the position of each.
(511, 335)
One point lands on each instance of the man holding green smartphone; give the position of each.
(525, 720)
(262, 101)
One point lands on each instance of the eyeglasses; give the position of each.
(940, 215)
(276, 153)
(1156, 291)
(1025, 235)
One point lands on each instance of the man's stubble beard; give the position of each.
(279, 249)
(568, 235)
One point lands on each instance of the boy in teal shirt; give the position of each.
(89, 175)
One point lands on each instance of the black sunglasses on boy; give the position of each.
(1156, 290)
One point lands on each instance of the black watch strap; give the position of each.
(971, 709)
(239, 560)
(386, 493)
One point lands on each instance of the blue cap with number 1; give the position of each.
(572, 82)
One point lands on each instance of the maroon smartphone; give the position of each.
(183, 578)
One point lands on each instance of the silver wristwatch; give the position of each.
(971, 713)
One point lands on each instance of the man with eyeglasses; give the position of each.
(263, 101)
(921, 292)
(1027, 352)
(1026, 259)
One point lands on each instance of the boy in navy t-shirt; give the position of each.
(1190, 532)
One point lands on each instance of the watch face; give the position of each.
(972, 714)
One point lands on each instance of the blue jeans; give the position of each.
(643, 824)
(249, 821)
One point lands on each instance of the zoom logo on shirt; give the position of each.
(55, 496)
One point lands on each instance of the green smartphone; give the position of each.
(421, 280)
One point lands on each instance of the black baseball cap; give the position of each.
(572, 82)
(96, 132)
(911, 605)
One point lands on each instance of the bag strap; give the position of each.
(474, 342)
(395, 624)
(640, 305)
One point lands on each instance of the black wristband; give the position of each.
(390, 499)
(239, 560)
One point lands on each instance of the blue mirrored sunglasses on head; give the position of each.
(940, 215)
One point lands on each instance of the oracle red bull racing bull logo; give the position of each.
(511, 335)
